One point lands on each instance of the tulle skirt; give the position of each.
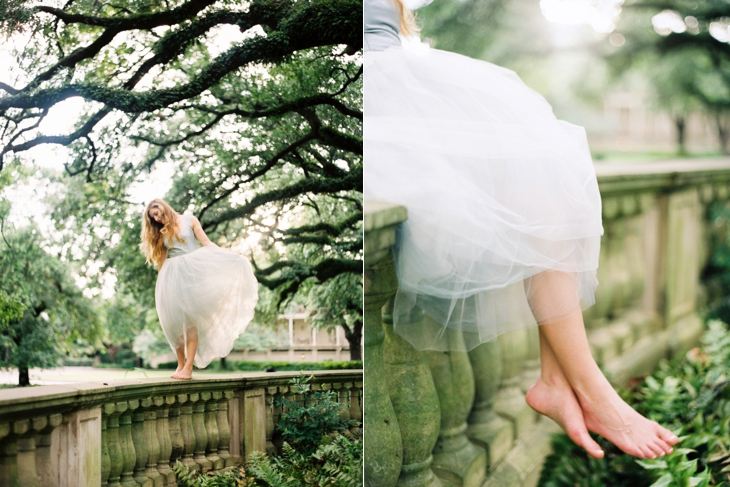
(210, 292)
(504, 212)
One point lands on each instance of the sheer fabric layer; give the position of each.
(502, 197)
(211, 292)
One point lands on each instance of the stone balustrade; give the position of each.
(130, 433)
(460, 419)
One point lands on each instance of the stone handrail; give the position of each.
(131, 432)
(459, 418)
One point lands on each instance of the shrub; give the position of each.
(310, 416)
(337, 462)
(689, 396)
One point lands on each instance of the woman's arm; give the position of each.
(199, 233)
(159, 266)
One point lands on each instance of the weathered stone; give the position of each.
(510, 400)
(211, 428)
(486, 428)
(415, 402)
(455, 458)
(383, 445)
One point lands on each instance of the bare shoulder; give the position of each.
(194, 221)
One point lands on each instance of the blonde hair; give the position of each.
(154, 232)
(408, 26)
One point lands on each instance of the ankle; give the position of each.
(554, 379)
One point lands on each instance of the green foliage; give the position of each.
(56, 317)
(691, 397)
(309, 415)
(716, 274)
(15, 16)
(259, 338)
(337, 462)
(11, 309)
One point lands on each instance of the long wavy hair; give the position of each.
(154, 233)
(408, 26)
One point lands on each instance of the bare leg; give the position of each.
(191, 347)
(604, 411)
(180, 351)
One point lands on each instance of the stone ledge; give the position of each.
(661, 175)
(23, 402)
(522, 465)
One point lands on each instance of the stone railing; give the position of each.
(458, 418)
(131, 432)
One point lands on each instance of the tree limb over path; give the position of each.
(291, 27)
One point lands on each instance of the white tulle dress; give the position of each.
(207, 290)
(501, 196)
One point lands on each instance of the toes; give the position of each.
(581, 438)
(666, 449)
(667, 436)
(656, 449)
(648, 452)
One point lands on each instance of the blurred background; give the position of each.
(648, 80)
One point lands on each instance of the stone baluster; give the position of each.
(9, 433)
(46, 473)
(455, 458)
(164, 435)
(187, 430)
(486, 428)
(342, 389)
(531, 369)
(356, 406)
(8, 454)
(415, 402)
(211, 428)
(25, 444)
(510, 400)
(153, 441)
(127, 443)
(270, 412)
(106, 464)
(176, 436)
(141, 445)
(201, 436)
(277, 411)
(224, 443)
(383, 442)
(113, 442)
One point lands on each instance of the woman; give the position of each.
(504, 220)
(205, 297)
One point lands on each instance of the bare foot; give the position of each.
(557, 401)
(184, 374)
(620, 424)
(179, 368)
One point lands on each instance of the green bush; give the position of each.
(78, 361)
(337, 462)
(279, 365)
(126, 364)
(310, 415)
(691, 397)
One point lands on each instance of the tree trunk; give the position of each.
(354, 337)
(681, 124)
(223, 363)
(722, 133)
(23, 377)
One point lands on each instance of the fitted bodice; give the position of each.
(381, 25)
(186, 232)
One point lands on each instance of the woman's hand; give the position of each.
(199, 233)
